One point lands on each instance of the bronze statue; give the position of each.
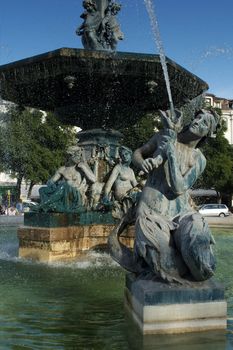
(89, 30)
(172, 241)
(121, 186)
(112, 33)
(66, 190)
(100, 29)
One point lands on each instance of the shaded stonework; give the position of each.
(96, 89)
(64, 241)
(158, 308)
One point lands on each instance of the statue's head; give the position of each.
(74, 153)
(125, 154)
(205, 123)
(89, 5)
(115, 8)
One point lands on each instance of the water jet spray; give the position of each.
(156, 33)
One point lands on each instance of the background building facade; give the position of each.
(226, 106)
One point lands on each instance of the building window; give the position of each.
(218, 104)
(208, 101)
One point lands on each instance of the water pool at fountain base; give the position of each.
(79, 305)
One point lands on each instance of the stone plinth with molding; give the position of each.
(159, 308)
(57, 237)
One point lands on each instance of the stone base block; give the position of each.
(65, 243)
(159, 308)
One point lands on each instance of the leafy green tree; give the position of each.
(139, 133)
(32, 145)
(218, 174)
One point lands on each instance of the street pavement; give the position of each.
(226, 222)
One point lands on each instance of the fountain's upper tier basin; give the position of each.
(97, 88)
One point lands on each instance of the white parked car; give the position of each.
(214, 210)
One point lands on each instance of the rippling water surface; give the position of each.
(79, 305)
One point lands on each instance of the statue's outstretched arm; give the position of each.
(87, 171)
(112, 178)
(133, 181)
(79, 30)
(143, 156)
(57, 176)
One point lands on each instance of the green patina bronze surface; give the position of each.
(100, 29)
(173, 242)
(82, 183)
(67, 219)
(94, 89)
(51, 219)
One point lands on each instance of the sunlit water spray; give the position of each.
(156, 33)
(224, 51)
(215, 51)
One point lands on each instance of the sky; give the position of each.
(197, 35)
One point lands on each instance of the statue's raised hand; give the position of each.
(173, 122)
(151, 163)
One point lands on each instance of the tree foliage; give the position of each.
(139, 133)
(32, 146)
(219, 169)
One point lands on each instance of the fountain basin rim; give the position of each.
(81, 53)
(97, 89)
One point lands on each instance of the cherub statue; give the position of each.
(90, 28)
(112, 31)
(100, 30)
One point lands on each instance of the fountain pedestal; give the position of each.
(159, 308)
(50, 237)
(92, 89)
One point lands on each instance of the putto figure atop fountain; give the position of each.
(100, 29)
